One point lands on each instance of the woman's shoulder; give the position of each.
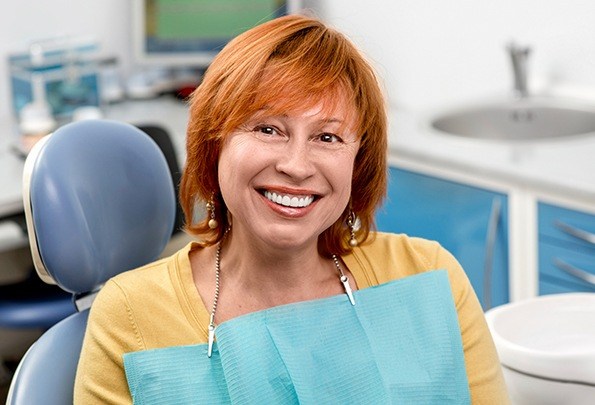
(418, 251)
(139, 281)
(144, 281)
(386, 239)
(161, 290)
(145, 274)
(390, 256)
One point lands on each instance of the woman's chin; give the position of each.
(287, 241)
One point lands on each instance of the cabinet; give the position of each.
(471, 222)
(566, 250)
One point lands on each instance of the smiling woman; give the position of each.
(286, 147)
(289, 65)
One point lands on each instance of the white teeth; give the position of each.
(289, 201)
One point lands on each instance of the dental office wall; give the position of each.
(437, 53)
(430, 53)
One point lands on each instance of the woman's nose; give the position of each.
(296, 161)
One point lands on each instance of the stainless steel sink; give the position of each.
(520, 119)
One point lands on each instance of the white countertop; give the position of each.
(564, 166)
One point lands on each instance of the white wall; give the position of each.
(430, 53)
(438, 52)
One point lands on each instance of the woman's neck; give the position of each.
(254, 277)
(254, 264)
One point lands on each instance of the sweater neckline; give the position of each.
(195, 308)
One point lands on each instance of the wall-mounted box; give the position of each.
(63, 74)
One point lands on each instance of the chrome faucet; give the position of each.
(518, 57)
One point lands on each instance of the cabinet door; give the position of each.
(470, 222)
(565, 270)
(566, 250)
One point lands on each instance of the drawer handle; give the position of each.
(491, 239)
(581, 274)
(576, 232)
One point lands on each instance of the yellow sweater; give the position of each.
(158, 306)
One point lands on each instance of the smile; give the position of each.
(288, 200)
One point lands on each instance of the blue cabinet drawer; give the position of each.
(554, 286)
(566, 267)
(566, 227)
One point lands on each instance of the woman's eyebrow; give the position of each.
(331, 120)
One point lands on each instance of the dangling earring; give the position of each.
(351, 221)
(213, 224)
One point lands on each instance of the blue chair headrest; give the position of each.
(99, 200)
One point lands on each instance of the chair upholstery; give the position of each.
(26, 302)
(32, 304)
(99, 200)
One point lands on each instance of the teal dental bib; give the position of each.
(400, 343)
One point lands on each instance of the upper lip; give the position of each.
(297, 192)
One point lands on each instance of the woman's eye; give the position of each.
(266, 129)
(329, 138)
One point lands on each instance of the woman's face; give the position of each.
(286, 178)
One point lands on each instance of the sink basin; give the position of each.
(546, 346)
(522, 119)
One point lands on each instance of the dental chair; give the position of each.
(99, 200)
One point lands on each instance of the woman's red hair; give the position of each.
(305, 62)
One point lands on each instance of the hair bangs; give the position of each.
(294, 88)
